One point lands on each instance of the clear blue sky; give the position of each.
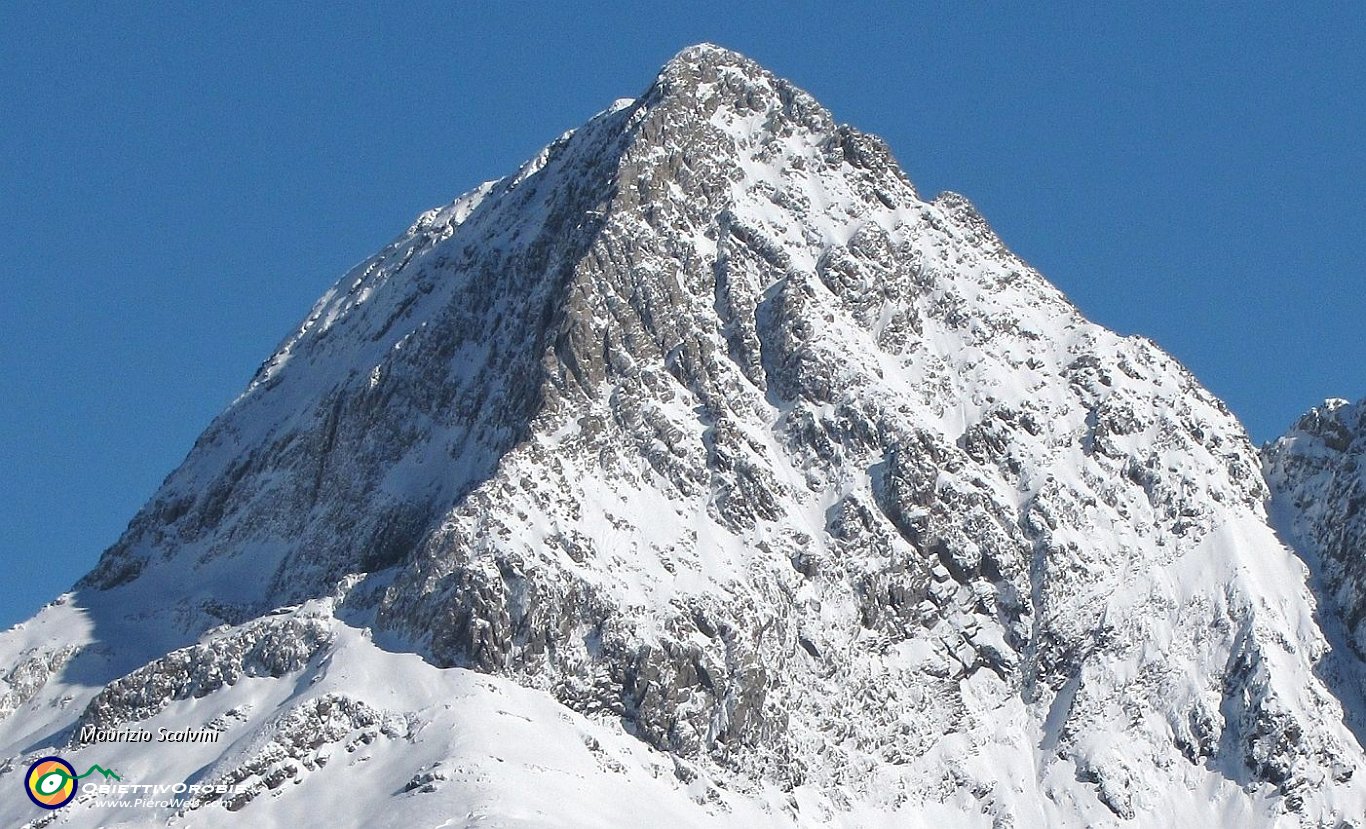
(177, 185)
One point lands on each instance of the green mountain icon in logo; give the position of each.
(109, 774)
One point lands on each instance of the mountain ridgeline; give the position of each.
(702, 473)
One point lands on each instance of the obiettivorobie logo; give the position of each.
(51, 782)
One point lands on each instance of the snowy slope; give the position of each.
(702, 472)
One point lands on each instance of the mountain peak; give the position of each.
(708, 54)
(706, 62)
(1333, 424)
(709, 78)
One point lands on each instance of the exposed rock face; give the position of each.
(707, 426)
(26, 677)
(269, 647)
(304, 741)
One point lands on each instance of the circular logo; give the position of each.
(51, 782)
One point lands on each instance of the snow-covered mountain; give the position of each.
(1317, 473)
(702, 473)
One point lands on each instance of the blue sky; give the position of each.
(177, 186)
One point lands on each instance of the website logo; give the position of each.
(51, 782)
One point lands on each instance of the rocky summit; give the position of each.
(703, 473)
